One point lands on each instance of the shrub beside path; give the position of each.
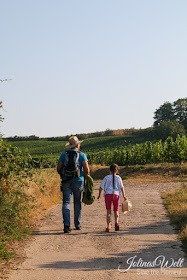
(145, 233)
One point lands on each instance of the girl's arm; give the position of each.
(99, 196)
(123, 193)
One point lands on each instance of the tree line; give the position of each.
(81, 136)
(170, 119)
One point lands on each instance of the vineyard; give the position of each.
(45, 153)
(123, 150)
(168, 151)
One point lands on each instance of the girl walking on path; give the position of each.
(113, 186)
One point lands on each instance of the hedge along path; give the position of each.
(145, 233)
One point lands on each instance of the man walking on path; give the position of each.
(72, 162)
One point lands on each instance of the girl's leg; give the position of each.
(116, 216)
(108, 201)
(108, 218)
(116, 201)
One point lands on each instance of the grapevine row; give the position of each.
(168, 151)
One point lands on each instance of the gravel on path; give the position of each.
(145, 238)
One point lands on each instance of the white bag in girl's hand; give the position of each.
(126, 206)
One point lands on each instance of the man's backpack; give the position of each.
(88, 194)
(70, 167)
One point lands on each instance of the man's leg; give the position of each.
(67, 194)
(77, 190)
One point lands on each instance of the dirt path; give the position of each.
(145, 233)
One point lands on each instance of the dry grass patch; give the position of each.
(176, 204)
(45, 188)
(161, 172)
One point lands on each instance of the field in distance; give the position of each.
(45, 148)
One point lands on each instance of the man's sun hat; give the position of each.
(126, 206)
(73, 142)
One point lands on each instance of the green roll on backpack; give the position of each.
(88, 194)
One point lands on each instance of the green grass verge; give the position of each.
(4, 253)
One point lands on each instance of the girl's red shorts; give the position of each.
(109, 198)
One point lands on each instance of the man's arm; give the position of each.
(86, 168)
(59, 166)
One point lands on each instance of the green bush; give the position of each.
(15, 204)
(4, 254)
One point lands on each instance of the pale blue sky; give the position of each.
(88, 65)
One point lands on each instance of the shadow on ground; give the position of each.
(149, 253)
(153, 257)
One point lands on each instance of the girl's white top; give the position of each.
(107, 184)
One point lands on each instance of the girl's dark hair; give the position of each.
(114, 169)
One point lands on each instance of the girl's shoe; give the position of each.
(108, 229)
(116, 227)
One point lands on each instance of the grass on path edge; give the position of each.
(175, 202)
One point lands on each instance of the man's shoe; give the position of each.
(78, 228)
(67, 229)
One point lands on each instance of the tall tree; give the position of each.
(180, 109)
(169, 128)
(164, 113)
